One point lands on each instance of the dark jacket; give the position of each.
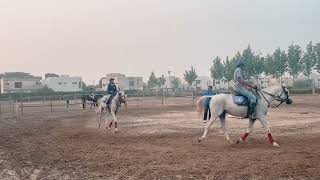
(112, 89)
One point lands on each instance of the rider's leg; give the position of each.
(252, 98)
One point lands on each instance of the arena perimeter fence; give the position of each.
(26, 106)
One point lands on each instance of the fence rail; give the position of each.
(61, 103)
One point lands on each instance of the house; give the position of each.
(133, 83)
(125, 83)
(64, 83)
(11, 83)
(202, 82)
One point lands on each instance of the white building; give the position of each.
(17, 84)
(202, 82)
(168, 84)
(123, 82)
(134, 83)
(64, 83)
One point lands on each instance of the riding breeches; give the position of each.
(244, 92)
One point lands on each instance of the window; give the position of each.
(60, 83)
(131, 83)
(17, 84)
(65, 82)
(74, 83)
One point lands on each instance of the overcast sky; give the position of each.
(90, 38)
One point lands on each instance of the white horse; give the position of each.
(223, 104)
(112, 108)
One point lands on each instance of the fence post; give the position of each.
(13, 106)
(21, 107)
(193, 97)
(162, 99)
(0, 108)
(51, 105)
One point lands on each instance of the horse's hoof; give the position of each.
(274, 144)
(199, 140)
(239, 141)
(231, 142)
(116, 131)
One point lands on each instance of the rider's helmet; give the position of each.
(111, 79)
(239, 63)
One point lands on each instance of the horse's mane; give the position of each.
(271, 89)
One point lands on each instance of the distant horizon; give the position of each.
(90, 39)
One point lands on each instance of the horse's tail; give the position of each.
(200, 105)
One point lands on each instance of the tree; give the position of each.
(190, 75)
(46, 89)
(248, 59)
(269, 65)
(308, 60)
(317, 53)
(50, 75)
(161, 81)
(229, 68)
(280, 61)
(153, 81)
(294, 60)
(175, 83)
(217, 69)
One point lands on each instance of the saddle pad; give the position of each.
(240, 100)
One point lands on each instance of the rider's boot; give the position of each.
(252, 115)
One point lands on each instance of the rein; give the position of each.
(278, 98)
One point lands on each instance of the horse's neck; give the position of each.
(274, 90)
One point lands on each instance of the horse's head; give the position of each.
(123, 97)
(284, 96)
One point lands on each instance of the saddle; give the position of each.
(241, 100)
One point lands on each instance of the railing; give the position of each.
(59, 103)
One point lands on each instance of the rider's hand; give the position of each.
(254, 87)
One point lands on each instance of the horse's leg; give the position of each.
(100, 113)
(214, 116)
(224, 129)
(265, 124)
(107, 115)
(115, 120)
(246, 134)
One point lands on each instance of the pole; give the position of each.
(162, 99)
(21, 106)
(193, 97)
(51, 105)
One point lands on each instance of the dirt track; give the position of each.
(156, 143)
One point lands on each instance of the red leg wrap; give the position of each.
(270, 138)
(244, 136)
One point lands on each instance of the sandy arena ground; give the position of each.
(160, 143)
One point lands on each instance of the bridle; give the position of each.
(278, 98)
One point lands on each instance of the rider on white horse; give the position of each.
(242, 87)
(112, 90)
